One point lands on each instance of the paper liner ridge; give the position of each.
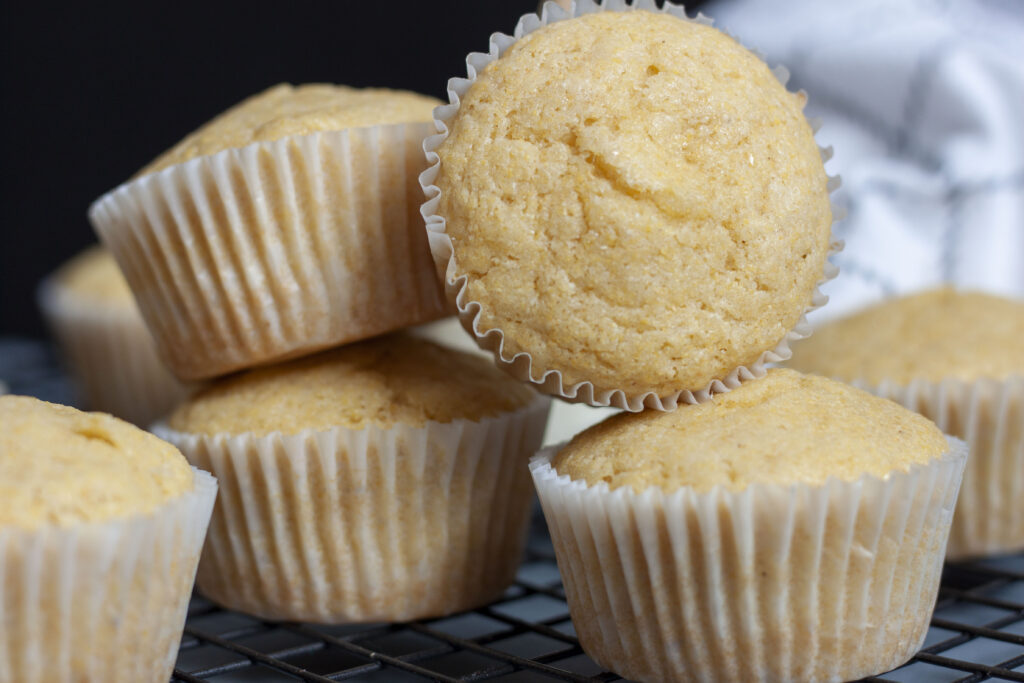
(520, 364)
(372, 524)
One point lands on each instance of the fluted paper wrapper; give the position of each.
(101, 601)
(989, 415)
(367, 525)
(520, 365)
(111, 356)
(276, 249)
(774, 583)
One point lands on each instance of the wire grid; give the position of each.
(977, 634)
(977, 631)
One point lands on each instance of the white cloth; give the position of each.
(923, 103)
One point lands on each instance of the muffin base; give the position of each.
(774, 583)
(276, 249)
(367, 525)
(102, 601)
(522, 365)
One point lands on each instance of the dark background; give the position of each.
(92, 92)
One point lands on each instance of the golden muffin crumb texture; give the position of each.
(286, 110)
(785, 428)
(94, 276)
(636, 200)
(391, 380)
(62, 466)
(929, 335)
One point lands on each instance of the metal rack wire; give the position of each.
(977, 631)
(977, 634)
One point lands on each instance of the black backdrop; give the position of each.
(93, 91)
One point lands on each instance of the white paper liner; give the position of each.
(367, 525)
(989, 415)
(520, 364)
(102, 601)
(276, 249)
(774, 583)
(111, 356)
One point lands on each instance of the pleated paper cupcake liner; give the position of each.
(520, 365)
(111, 356)
(276, 249)
(989, 415)
(774, 583)
(367, 525)
(102, 601)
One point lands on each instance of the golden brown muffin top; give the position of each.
(61, 466)
(636, 201)
(930, 335)
(785, 428)
(285, 110)
(94, 275)
(391, 380)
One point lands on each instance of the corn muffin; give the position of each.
(286, 225)
(100, 534)
(958, 359)
(631, 201)
(106, 346)
(381, 481)
(790, 530)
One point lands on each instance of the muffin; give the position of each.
(381, 481)
(790, 530)
(627, 207)
(100, 533)
(958, 359)
(286, 225)
(106, 346)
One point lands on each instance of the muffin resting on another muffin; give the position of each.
(635, 201)
(286, 225)
(286, 110)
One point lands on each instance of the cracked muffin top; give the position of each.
(785, 428)
(285, 110)
(635, 200)
(61, 466)
(398, 379)
(930, 335)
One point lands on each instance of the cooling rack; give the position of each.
(976, 634)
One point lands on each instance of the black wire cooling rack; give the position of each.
(977, 631)
(977, 634)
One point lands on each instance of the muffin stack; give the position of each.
(383, 479)
(286, 225)
(628, 209)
